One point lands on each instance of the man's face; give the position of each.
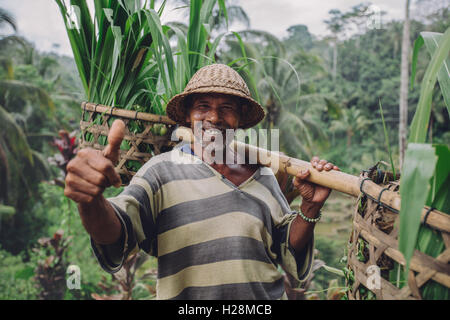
(214, 111)
(211, 116)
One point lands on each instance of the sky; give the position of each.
(40, 21)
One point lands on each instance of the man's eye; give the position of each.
(228, 109)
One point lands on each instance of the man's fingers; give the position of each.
(318, 163)
(301, 175)
(329, 166)
(90, 165)
(78, 184)
(322, 164)
(105, 167)
(90, 175)
(77, 196)
(115, 137)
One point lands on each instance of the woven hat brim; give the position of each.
(249, 117)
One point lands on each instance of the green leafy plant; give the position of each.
(386, 138)
(426, 170)
(110, 51)
(124, 56)
(126, 59)
(16, 277)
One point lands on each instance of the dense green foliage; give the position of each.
(319, 112)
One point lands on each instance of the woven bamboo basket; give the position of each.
(146, 135)
(374, 242)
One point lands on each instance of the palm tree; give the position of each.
(25, 105)
(21, 104)
(280, 80)
(6, 18)
(14, 152)
(351, 122)
(5, 62)
(336, 24)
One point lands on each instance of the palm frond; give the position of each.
(13, 138)
(15, 95)
(7, 18)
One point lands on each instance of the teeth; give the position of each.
(213, 131)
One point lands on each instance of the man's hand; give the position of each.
(91, 171)
(313, 195)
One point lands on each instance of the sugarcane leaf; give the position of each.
(109, 13)
(117, 33)
(430, 242)
(77, 47)
(223, 10)
(163, 52)
(161, 7)
(418, 168)
(386, 138)
(418, 43)
(183, 71)
(85, 23)
(419, 125)
(440, 177)
(129, 5)
(99, 14)
(432, 40)
(213, 47)
(442, 198)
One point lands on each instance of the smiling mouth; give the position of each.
(213, 132)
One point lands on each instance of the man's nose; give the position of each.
(213, 116)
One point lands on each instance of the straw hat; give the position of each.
(217, 78)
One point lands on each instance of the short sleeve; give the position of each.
(112, 256)
(297, 264)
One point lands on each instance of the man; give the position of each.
(219, 230)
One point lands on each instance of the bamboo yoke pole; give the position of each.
(336, 180)
(93, 107)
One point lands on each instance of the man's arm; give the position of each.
(314, 197)
(88, 174)
(302, 230)
(100, 221)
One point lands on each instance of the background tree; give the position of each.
(404, 82)
(336, 25)
(299, 37)
(7, 19)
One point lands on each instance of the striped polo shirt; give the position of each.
(212, 239)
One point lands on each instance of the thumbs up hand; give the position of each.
(115, 137)
(91, 171)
